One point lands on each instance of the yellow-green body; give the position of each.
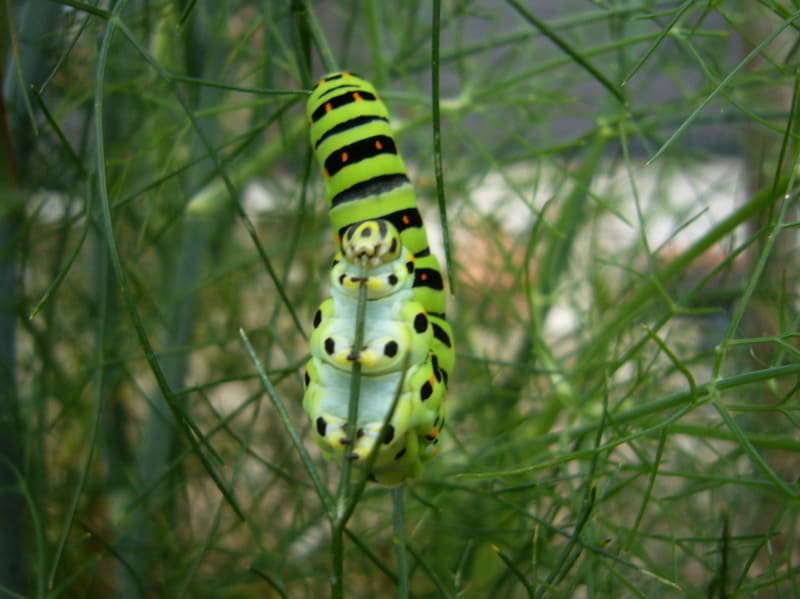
(374, 214)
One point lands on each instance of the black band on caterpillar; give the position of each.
(408, 343)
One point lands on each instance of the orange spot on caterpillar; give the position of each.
(406, 219)
(328, 107)
(325, 173)
(378, 144)
(344, 157)
(356, 96)
(423, 276)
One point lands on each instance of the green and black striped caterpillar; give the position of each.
(408, 344)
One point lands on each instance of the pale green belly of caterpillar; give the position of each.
(373, 211)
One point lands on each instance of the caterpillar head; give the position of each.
(375, 244)
(372, 242)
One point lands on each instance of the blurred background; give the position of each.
(620, 192)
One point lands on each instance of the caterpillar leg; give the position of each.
(326, 401)
(412, 432)
(404, 464)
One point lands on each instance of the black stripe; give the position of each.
(404, 219)
(335, 76)
(346, 125)
(437, 315)
(382, 229)
(363, 149)
(423, 253)
(440, 334)
(337, 89)
(373, 186)
(340, 100)
(326, 79)
(428, 277)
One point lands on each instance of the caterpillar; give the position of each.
(407, 353)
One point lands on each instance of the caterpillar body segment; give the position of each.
(407, 354)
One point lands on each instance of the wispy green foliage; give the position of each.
(620, 186)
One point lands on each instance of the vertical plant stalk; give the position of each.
(343, 498)
(769, 159)
(160, 436)
(348, 495)
(177, 412)
(355, 391)
(399, 539)
(437, 144)
(23, 61)
(564, 232)
(315, 31)
(12, 562)
(12, 571)
(104, 294)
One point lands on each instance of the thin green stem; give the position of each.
(633, 535)
(681, 401)
(399, 540)
(631, 308)
(283, 414)
(790, 134)
(665, 31)
(343, 492)
(518, 574)
(100, 390)
(776, 227)
(576, 56)
(344, 502)
(574, 546)
(219, 169)
(326, 54)
(731, 76)
(441, 588)
(120, 271)
(437, 144)
(88, 8)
